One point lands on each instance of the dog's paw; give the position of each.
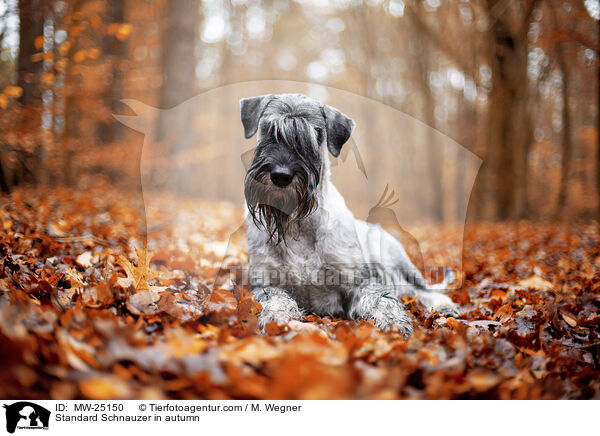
(393, 315)
(403, 325)
(438, 302)
(305, 327)
(449, 310)
(277, 316)
(278, 308)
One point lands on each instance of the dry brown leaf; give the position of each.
(138, 276)
(569, 319)
(536, 282)
(503, 313)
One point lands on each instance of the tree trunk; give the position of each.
(71, 86)
(31, 26)
(31, 19)
(508, 121)
(598, 137)
(3, 182)
(114, 49)
(566, 138)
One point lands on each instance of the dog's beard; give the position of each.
(280, 210)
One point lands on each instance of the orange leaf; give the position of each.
(97, 388)
(112, 28)
(536, 282)
(504, 313)
(139, 275)
(38, 42)
(79, 56)
(569, 319)
(124, 31)
(452, 323)
(95, 21)
(13, 91)
(64, 48)
(93, 53)
(37, 57)
(47, 79)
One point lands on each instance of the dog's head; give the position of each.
(287, 169)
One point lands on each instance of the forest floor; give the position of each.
(85, 315)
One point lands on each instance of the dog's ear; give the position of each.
(252, 109)
(339, 128)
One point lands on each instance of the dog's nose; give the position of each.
(281, 176)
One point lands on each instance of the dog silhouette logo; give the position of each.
(26, 415)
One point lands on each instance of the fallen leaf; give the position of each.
(143, 303)
(85, 259)
(536, 282)
(569, 319)
(503, 313)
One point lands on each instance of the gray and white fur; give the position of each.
(307, 252)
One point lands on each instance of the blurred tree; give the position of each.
(178, 61)
(515, 82)
(31, 31)
(71, 89)
(509, 119)
(29, 70)
(114, 48)
(566, 134)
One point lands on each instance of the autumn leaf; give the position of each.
(47, 79)
(13, 91)
(138, 276)
(123, 31)
(503, 313)
(98, 388)
(64, 48)
(85, 259)
(536, 282)
(38, 42)
(95, 21)
(62, 296)
(143, 303)
(79, 56)
(93, 53)
(569, 319)
(452, 323)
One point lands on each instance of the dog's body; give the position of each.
(307, 252)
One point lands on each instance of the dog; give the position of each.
(307, 252)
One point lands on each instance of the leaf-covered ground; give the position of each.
(83, 314)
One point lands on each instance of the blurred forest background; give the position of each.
(515, 82)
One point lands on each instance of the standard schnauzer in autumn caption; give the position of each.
(307, 252)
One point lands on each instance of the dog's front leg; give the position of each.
(277, 305)
(377, 303)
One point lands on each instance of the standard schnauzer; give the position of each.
(307, 252)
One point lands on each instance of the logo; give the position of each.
(26, 415)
